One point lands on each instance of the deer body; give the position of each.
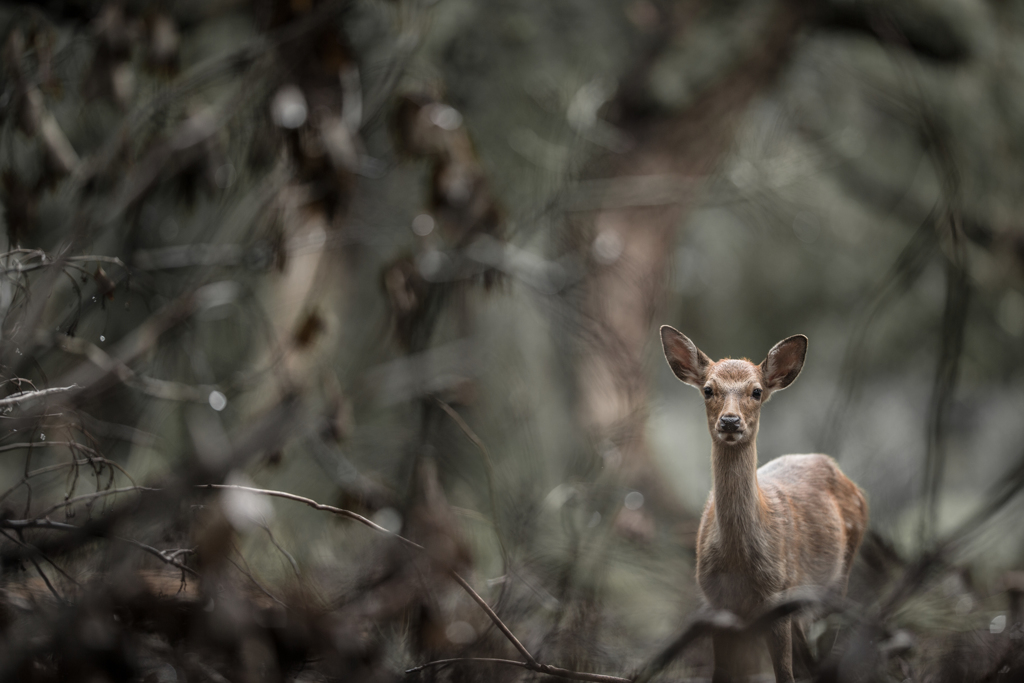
(797, 521)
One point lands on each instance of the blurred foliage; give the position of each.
(405, 260)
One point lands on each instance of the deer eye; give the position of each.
(757, 394)
(707, 392)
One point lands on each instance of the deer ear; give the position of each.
(686, 360)
(784, 362)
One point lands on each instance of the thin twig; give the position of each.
(46, 580)
(18, 524)
(489, 471)
(167, 556)
(540, 668)
(248, 574)
(37, 551)
(288, 555)
(27, 395)
(39, 570)
(316, 506)
(494, 618)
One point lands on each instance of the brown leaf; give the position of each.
(104, 283)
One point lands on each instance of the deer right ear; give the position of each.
(687, 361)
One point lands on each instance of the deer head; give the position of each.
(734, 390)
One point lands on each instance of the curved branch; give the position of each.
(412, 544)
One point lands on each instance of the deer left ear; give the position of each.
(784, 362)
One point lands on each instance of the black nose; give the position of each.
(729, 423)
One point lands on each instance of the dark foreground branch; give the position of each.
(539, 668)
(721, 621)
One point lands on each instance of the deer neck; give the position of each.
(739, 504)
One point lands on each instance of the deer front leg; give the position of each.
(736, 657)
(780, 647)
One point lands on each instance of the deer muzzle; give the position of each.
(729, 424)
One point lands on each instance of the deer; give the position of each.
(796, 522)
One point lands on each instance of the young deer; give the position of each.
(797, 521)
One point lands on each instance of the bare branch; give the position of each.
(40, 553)
(28, 395)
(494, 618)
(287, 555)
(46, 580)
(316, 506)
(167, 556)
(18, 524)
